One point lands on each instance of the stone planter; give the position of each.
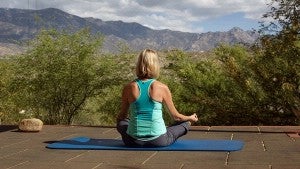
(31, 125)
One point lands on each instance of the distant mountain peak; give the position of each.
(20, 24)
(236, 29)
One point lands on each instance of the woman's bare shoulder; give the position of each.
(158, 84)
(130, 85)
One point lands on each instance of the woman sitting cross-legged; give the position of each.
(140, 121)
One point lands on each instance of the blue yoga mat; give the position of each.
(85, 143)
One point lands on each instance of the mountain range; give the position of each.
(21, 24)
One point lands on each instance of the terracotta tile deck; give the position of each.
(266, 147)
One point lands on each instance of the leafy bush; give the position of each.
(225, 89)
(58, 74)
(8, 110)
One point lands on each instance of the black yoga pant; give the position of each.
(173, 133)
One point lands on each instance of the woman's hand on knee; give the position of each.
(193, 118)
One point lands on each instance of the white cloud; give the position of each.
(167, 14)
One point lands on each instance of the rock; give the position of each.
(32, 124)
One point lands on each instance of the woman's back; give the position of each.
(156, 91)
(145, 113)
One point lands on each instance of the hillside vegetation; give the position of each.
(65, 78)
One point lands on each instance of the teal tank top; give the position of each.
(146, 120)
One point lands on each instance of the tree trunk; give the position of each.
(296, 111)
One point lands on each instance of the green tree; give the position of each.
(226, 88)
(59, 73)
(103, 109)
(220, 88)
(8, 111)
(277, 61)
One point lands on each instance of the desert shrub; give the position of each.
(58, 74)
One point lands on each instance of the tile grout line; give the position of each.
(117, 137)
(77, 156)
(97, 165)
(228, 153)
(18, 165)
(227, 158)
(106, 131)
(208, 130)
(14, 143)
(262, 142)
(231, 138)
(144, 162)
(264, 146)
(293, 139)
(259, 131)
(67, 136)
(13, 153)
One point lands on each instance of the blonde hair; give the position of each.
(147, 65)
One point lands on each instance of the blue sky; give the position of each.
(195, 16)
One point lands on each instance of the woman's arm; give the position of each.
(167, 99)
(123, 114)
